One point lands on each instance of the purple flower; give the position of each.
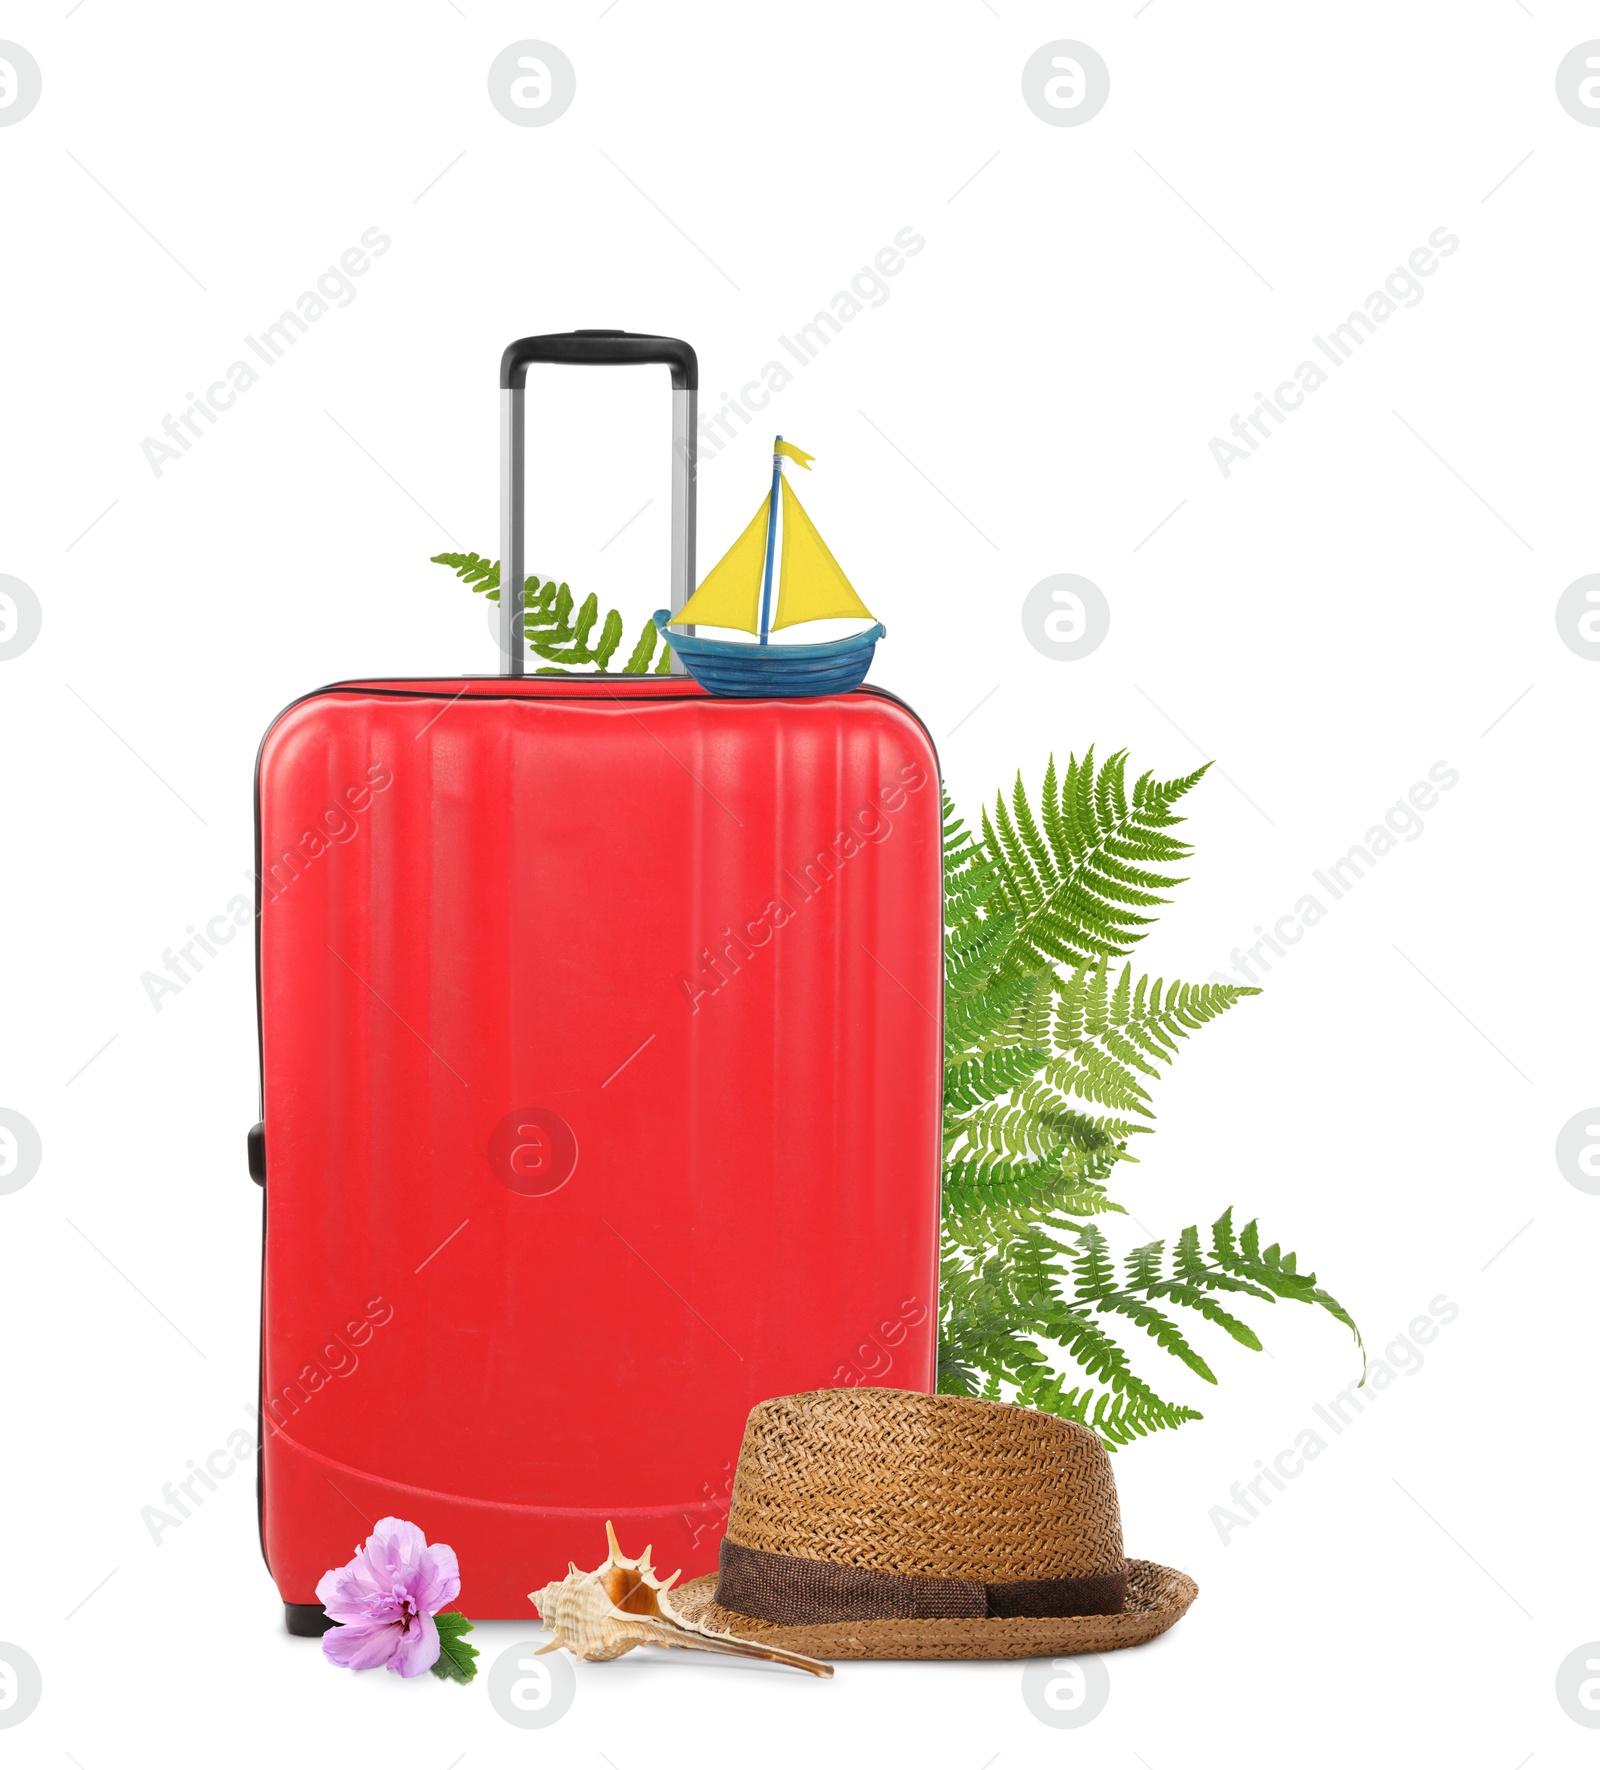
(385, 1598)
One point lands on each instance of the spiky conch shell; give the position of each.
(609, 1612)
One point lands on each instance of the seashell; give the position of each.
(617, 1607)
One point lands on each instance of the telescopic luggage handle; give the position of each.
(590, 347)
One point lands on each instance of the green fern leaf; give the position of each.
(1078, 889)
(481, 574)
(1051, 1055)
(549, 627)
(644, 648)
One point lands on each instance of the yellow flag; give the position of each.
(794, 454)
(812, 587)
(730, 593)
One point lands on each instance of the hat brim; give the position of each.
(1157, 1597)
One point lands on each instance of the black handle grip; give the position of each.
(599, 347)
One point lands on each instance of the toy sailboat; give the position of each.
(738, 592)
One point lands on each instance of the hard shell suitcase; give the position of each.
(600, 1050)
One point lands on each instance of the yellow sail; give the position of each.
(811, 586)
(730, 594)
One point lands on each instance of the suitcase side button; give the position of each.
(257, 1144)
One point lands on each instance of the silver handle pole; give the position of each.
(512, 497)
(685, 443)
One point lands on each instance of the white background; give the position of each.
(1366, 596)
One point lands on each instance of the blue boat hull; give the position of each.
(725, 667)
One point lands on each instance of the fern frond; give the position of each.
(644, 647)
(1160, 1327)
(980, 1079)
(1117, 1419)
(1050, 1054)
(1194, 1297)
(981, 1187)
(1274, 1271)
(1079, 876)
(548, 626)
(1036, 1124)
(1108, 1036)
(1094, 1273)
(473, 570)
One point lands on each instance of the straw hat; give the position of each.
(883, 1524)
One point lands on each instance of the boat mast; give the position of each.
(772, 534)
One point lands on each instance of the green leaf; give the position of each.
(456, 1654)
(1052, 1052)
(639, 658)
(1078, 875)
(548, 625)
(481, 574)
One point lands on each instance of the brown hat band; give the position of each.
(795, 1590)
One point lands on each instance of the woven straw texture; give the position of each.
(1157, 1597)
(939, 1485)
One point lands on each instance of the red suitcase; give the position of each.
(600, 1051)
